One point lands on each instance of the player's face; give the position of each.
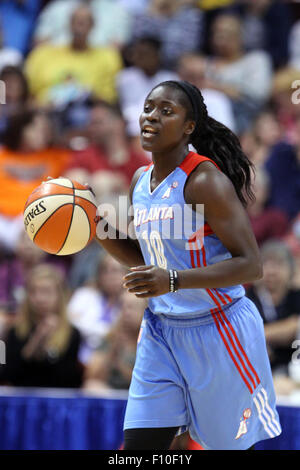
(163, 121)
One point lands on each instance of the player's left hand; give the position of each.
(147, 281)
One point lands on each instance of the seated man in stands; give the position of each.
(57, 72)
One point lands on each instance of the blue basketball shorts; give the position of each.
(209, 375)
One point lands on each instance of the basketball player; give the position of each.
(201, 363)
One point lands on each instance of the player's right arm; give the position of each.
(125, 250)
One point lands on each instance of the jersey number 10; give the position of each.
(155, 248)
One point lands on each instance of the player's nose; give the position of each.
(153, 116)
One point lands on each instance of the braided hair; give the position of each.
(215, 141)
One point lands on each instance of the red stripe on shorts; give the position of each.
(236, 351)
(215, 317)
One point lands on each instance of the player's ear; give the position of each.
(189, 127)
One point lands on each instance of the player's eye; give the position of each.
(147, 108)
(167, 111)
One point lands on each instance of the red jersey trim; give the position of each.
(149, 166)
(192, 160)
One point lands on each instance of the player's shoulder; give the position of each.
(206, 182)
(206, 173)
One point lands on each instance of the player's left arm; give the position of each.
(229, 221)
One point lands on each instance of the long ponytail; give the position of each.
(219, 143)
(216, 141)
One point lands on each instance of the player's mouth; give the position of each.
(148, 132)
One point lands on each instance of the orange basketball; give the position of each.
(60, 216)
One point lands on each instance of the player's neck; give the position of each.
(165, 163)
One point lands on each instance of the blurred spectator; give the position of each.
(178, 26)
(266, 25)
(285, 98)
(8, 55)
(14, 271)
(112, 22)
(83, 266)
(212, 4)
(93, 309)
(294, 46)
(192, 68)
(258, 141)
(284, 172)
(135, 6)
(25, 161)
(18, 19)
(109, 162)
(244, 77)
(16, 93)
(135, 82)
(267, 131)
(267, 223)
(292, 239)
(16, 87)
(16, 267)
(112, 364)
(278, 304)
(42, 347)
(59, 74)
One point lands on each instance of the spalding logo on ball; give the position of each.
(60, 216)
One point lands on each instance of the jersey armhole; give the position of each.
(136, 178)
(191, 162)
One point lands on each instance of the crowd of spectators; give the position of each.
(73, 78)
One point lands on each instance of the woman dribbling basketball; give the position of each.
(201, 363)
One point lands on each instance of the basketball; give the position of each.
(60, 216)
